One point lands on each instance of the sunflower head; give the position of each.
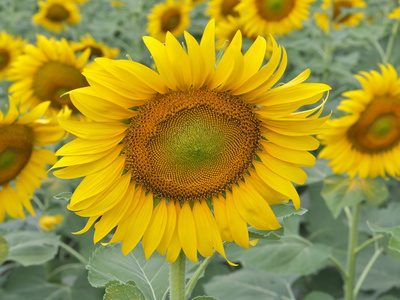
(22, 156)
(48, 223)
(366, 141)
(186, 157)
(10, 48)
(54, 15)
(169, 16)
(221, 9)
(264, 17)
(97, 49)
(46, 72)
(339, 16)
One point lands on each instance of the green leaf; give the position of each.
(3, 250)
(31, 247)
(318, 172)
(340, 191)
(108, 264)
(65, 196)
(290, 255)
(205, 298)
(318, 296)
(248, 285)
(118, 291)
(393, 233)
(282, 213)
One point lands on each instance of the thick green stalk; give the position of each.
(351, 253)
(177, 278)
(73, 252)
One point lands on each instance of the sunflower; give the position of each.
(80, 1)
(115, 3)
(169, 16)
(395, 14)
(48, 223)
(339, 18)
(187, 156)
(55, 14)
(97, 49)
(45, 72)
(264, 17)
(226, 29)
(221, 9)
(366, 141)
(22, 156)
(10, 48)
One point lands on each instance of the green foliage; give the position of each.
(118, 291)
(3, 250)
(340, 191)
(249, 285)
(31, 248)
(393, 233)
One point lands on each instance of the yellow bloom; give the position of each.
(97, 49)
(221, 9)
(80, 1)
(47, 223)
(117, 3)
(366, 142)
(55, 14)
(264, 17)
(395, 14)
(10, 48)
(226, 29)
(168, 16)
(339, 18)
(22, 156)
(47, 71)
(186, 157)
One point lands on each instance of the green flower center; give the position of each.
(170, 20)
(53, 79)
(274, 10)
(16, 145)
(57, 13)
(378, 127)
(191, 145)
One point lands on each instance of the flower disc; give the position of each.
(191, 145)
(15, 150)
(57, 13)
(274, 9)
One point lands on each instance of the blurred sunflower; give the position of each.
(97, 49)
(226, 29)
(47, 71)
(395, 14)
(10, 48)
(80, 1)
(115, 3)
(339, 18)
(264, 17)
(187, 156)
(169, 16)
(221, 9)
(22, 157)
(55, 14)
(48, 223)
(366, 142)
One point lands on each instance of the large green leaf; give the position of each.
(108, 264)
(31, 247)
(393, 233)
(318, 172)
(340, 191)
(318, 296)
(3, 250)
(119, 291)
(30, 283)
(248, 285)
(290, 255)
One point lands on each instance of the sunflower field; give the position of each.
(199, 149)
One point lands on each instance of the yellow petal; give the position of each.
(187, 232)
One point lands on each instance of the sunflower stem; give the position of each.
(193, 280)
(351, 253)
(177, 278)
(392, 38)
